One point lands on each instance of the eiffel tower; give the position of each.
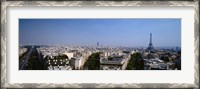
(150, 47)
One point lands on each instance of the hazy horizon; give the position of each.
(108, 32)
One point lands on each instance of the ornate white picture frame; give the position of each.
(137, 4)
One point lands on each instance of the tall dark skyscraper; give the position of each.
(97, 44)
(150, 47)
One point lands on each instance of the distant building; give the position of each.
(69, 54)
(132, 52)
(22, 51)
(177, 49)
(76, 63)
(105, 54)
(97, 44)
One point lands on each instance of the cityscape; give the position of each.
(99, 44)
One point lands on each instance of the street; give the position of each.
(25, 60)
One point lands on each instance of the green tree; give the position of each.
(130, 65)
(93, 62)
(165, 58)
(179, 52)
(135, 62)
(110, 58)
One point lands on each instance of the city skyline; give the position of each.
(108, 32)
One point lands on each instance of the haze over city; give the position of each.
(108, 32)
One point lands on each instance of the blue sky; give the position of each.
(110, 32)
